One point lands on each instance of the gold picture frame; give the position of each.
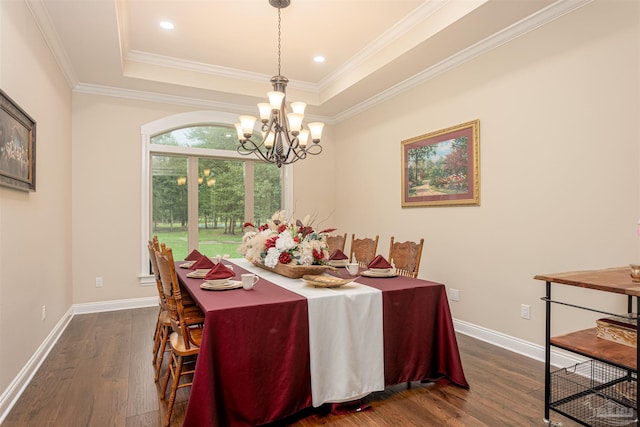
(442, 168)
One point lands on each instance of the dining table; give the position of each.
(285, 346)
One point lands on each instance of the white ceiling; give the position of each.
(223, 52)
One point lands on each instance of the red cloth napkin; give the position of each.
(193, 256)
(337, 255)
(202, 263)
(379, 262)
(220, 271)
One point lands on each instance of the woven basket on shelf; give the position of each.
(296, 271)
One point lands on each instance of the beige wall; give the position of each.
(106, 195)
(559, 126)
(35, 228)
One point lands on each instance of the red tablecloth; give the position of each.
(253, 366)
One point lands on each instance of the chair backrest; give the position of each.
(363, 249)
(406, 257)
(154, 246)
(336, 242)
(171, 289)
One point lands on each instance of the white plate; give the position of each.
(218, 281)
(380, 270)
(231, 284)
(199, 273)
(370, 273)
(338, 262)
(187, 264)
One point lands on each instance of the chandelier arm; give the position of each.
(314, 149)
(248, 146)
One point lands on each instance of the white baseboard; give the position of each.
(559, 358)
(123, 304)
(10, 396)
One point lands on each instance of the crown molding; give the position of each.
(140, 95)
(199, 67)
(43, 21)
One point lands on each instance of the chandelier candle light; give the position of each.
(284, 137)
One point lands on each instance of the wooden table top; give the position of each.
(617, 280)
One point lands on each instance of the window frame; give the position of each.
(185, 120)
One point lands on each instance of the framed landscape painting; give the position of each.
(17, 146)
(442, 168)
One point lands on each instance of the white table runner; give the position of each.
(345, 336)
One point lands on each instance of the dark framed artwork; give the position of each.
(442, 168)
(17, 146)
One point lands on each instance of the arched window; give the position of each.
(197, 191)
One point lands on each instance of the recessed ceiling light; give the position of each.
(318, 58)
(167, 25)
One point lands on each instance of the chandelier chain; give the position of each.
(279, 26)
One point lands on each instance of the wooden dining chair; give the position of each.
(163, 324)
(406, 257)
(364, 250)
(185, 339)
(336, 242)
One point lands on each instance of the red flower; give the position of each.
(297, 238)
(284, 258)
(318, 255)
(271, 242)
(263, 227)
(282, 227)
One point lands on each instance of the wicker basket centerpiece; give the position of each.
(290, 249)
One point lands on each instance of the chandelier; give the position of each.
(284, 137)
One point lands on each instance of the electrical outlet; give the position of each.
(98, 282)
(44, 312)
(454, 294)
(525, 311)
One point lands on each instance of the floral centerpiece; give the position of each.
(281, 243)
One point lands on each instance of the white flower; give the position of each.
(285, 241)
(271, 260)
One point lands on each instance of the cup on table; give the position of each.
(353, 268)
(248, 280)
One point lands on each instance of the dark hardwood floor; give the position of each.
(100, 374)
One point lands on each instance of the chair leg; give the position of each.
(174, 389)
(156, 342)
(167, 375)
(161, 350)
(158, 320)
